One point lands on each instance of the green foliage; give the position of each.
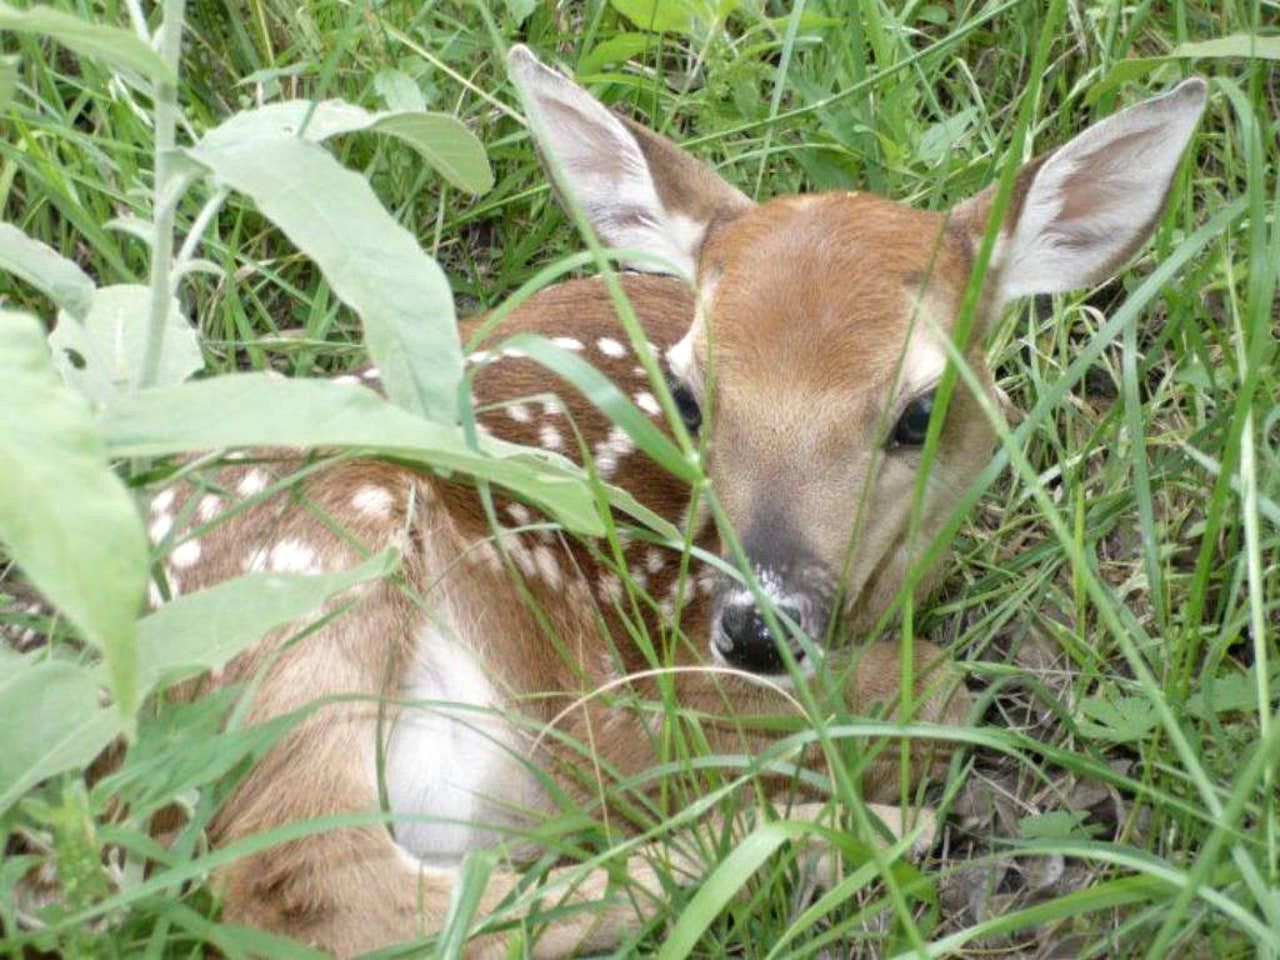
(440, 139)
(64, 516)
(256, 410)
(202, 631)
(1136, 539)
(101, 355)
(52, 723)
(113, 46)
(370, 261)
(58, 278)
(674, 16)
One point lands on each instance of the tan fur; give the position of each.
(351, 890)
(814, 319)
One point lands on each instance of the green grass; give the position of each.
(1114, 594)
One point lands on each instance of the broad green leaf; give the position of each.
(661, 16)
(674, 16)
(65, 517)
(8, 78)
(121, 49)
(940, 139)
(1242, 46)
(45, 269)
(399, 91)
(1238, 46)
(439, 138)
(617, 49)
(1121, 720)
(1234, 691)
(201, 631)
(521, 10)
(1056, 825)
(373, 263)
(934, 13)
(102, 356)
(445, 143)
(245, 410)
(51, 721)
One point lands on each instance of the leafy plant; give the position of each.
(1115, 593)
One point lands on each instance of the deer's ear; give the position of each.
(637, 189)
(1078, 213)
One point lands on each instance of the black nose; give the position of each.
(745, 640)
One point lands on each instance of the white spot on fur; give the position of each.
(163, 501)
(160, 527)
(610, 588)
(519, 513)
(253, 483)
(567, 343)
(514, 353)
(520, 555)
(185, 555)
(548, 566)
(654, 561)
(256, 561)
(293, 556)
(519, 412)
(208, 507)
(552, 407)
(550, 437)
(481, 357)
(647, 402)
(616, 445)
(373, 501)
(371, 374)
(485, 552)
(611, 347)
(347, 378)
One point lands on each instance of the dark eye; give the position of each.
(912, 426)
(686, 403)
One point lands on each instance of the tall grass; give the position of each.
(1114, 593)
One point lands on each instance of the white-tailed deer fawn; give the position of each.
(801, 338)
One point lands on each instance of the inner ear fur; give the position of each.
(636, 188)
(1078, 213)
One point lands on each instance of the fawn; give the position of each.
(802, 341)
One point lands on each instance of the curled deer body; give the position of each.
(802, 339)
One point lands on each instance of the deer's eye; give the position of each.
(912, 426)
(686, 403)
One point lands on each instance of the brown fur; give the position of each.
(351, 890)
(812, 316)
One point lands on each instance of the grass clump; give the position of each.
(1114, 598)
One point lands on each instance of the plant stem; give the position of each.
(164, 202)
(198, 227)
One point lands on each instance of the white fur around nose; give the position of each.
(770, 585)
(454, 759)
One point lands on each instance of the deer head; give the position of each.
(815, 349)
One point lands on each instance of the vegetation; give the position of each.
(1114, 595)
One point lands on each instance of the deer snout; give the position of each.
(741, 635)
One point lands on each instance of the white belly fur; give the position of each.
(458, 767)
